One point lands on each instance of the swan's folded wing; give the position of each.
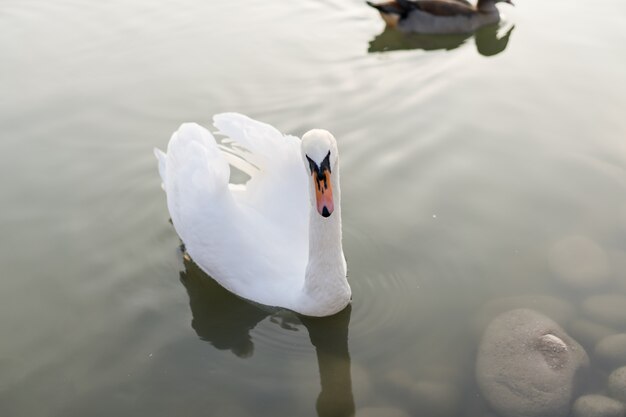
(278, 185)
(261, 139)
(162, 159)
(236, 245)
(196, 182)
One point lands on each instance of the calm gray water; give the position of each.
(474, 169)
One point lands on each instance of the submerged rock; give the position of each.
(597, 406)
(435, 398)
(527, 365)
(587, 332)
(381, 412)
(579, 262)
(432, 398)
(399, 379)
(611, 350)
(617, 384)
(361, 381)
(229, 410)
(609, 309)
(557, 309)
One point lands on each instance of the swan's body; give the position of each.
(438, 16)
(264, 241)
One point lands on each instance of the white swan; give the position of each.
(275, 240)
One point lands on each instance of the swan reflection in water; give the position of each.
(488, 43)
(225, 321)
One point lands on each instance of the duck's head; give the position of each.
(319, 153)
(487, 6)
(482, 3)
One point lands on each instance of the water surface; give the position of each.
(465, 162)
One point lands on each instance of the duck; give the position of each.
(275, 240)
(439, 16)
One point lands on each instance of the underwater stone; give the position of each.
(609, 309)
(229, 410)
(435, 398)
(361, 381)
(381, 412)
(611, 350)
(597, 406)
(579, 262)
(617, 384)
(587, 332)
(527, 365)
(399, 379)
(429, 397)
(557, 309)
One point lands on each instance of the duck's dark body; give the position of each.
(438, 16)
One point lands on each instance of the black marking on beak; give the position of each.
(312, 165)
(325, 165)
(323, 187)
(319, 170)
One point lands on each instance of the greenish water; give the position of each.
(469, 166)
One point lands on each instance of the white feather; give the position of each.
(253, 238)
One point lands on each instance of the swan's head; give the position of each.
(319, 153)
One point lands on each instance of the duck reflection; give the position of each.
(225, 321)
(487, 41)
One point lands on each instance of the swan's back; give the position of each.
(252, 238)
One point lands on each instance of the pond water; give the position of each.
(479, 173)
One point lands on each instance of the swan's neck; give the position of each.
(325, 283)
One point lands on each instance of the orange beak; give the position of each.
(323, 193)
